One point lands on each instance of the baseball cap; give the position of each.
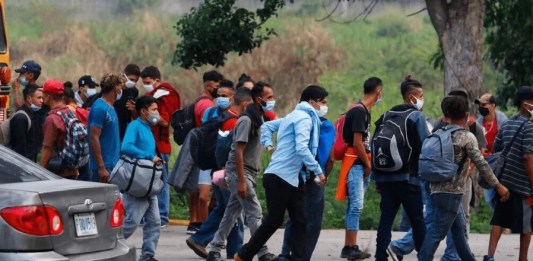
(53, 87)
(87, 80)
(29, 66)
(486, 98)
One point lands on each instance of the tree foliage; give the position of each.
(215, 28)
(509, 27)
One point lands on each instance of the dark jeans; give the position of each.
(210, 226)
(449, 215)
(280, 196)
(394, 194)
(314, 210)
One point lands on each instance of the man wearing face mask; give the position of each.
(139, 143)
(211, 79)
(86, 89)
(492, 120)
(29, 72)
(103, 130)
(125, 107)
(295, 173)
(25, 127)
(242, 167)
(168, 101)
(223, 100)
(395, 165)
(354, 178)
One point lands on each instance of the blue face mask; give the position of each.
(34, 107)
(269, 106)
(23, 81)
(223, 102)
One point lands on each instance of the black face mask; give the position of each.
(483, 111)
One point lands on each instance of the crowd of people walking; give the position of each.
(427, 167)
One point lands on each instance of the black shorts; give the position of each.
(515, 213)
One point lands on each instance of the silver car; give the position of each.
(45, 217)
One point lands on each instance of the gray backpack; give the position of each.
(436, 162)
(5, 128)
(139, 178)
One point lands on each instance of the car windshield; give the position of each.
(16, 168)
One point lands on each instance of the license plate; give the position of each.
(85, 224)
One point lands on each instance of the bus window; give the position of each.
(3, 43)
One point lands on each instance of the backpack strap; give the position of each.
(508, 148)
(27, 117)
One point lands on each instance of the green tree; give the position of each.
(216, 28)
(509, 27)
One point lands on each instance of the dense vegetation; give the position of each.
(338, 56)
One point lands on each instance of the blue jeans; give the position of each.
(394, 194)
(448, 215)
(143, 208)
(489, 197)
(163, 199)
(210, 226)
(405, 245)
(356, 195)
(314, 208)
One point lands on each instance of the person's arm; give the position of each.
(239, 162)
(527, 148)
(18, 133)
(360, 151)
(128, 144)
(302, 131)
(476, 157)
(421, 127)
(16, 94)
(267, 132)
(50, 134)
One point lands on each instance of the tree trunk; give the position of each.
(459, 25)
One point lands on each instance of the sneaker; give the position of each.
(147, 258)
(197, 248)
(192, 228)
(393, 254)
(214, 256)
(265, 257)
(164, 226)
(356, 254)
(345, 251)
(488, 258)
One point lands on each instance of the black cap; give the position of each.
(29, 66)
(87, 80)
(522, 94)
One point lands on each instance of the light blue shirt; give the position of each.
(139, 142)
(297, 143)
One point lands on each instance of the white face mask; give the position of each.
(129, 83)
(148, 87)
(91, 92)
(322, 111)
(419, 103)
(119, 95)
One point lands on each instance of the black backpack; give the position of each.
(391, 147)
(183, 121)
(204, 141)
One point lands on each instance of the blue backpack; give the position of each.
(436, 162)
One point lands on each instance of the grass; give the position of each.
(338, 56)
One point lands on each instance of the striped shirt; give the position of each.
(515, 176)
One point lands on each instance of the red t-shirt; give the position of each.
(491, 130)
(230, 123)
(199, 109)
(54, 129)
(167, 104)
(271, 115)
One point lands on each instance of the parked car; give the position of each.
(46, 217)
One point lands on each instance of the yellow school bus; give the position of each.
(5, 72)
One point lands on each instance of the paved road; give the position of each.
(172, 245)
